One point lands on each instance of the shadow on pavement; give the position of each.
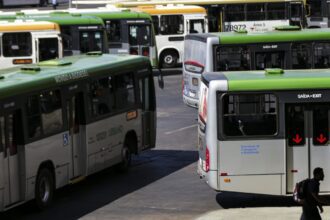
(100, 189)
(229, 200)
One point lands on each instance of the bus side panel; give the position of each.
(251, 165)
(105, 139)
(55, 149)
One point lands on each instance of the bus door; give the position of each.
(140, 39)
(75, 113)
(196, 26)
(48, 48)
(307, 138)
(10, 132)
(148, 111)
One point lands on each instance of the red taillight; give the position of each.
(193, 66)
(133, 51)
(207, 160)
(145, 51)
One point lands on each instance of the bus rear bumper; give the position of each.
(191, 102)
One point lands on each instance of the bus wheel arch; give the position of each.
(169, 58)
(129, 147)
(45, 185)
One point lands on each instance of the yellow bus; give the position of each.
(172, 23)
(25, 42)
(250, 15)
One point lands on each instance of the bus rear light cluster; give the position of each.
(207, 160)
(133, 51)
(145, 51)
(193, 66)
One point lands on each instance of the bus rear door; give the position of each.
(307, 134)
(75, 114)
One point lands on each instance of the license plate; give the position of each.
(195, 81)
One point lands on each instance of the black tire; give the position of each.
(44, 189)
(169, 59)
(126, 160)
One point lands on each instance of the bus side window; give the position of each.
(301, 56)
(51, 111)
(99, 100)
(322, 55)
(232, 58)
(171, 24)
(17, 44)
(249, 115)
(276, 11)
(48, 48)
(33, 117)
(125, 96)
(113, 31)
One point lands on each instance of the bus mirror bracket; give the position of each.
(160, 79)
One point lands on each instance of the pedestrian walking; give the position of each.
(312, 200)
(54, 3)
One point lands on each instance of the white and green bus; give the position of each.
(62, 120)
(263, 131)
(287, 47)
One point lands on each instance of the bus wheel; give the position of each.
(126, 159)
(169, 59)
(44, 190)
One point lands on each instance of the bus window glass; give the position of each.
(195, 52)
(139, 35)
(230, 58)
(51, 111)
(171, 24)
(33, 117)
(269, 60)
(296, 10)
(155, 21)
(295, 124)
(196, 26)
(11, 124)
(48, 48)
(67, 40)
(234, 13)
(125, 91)
(301, 56)
(315, 8)
(255, 12)
(249, 114)
(113, 30)
(90, 41)
(320, 125)
(276, 11)
(322, 55)
(17, 44)
(100, 100)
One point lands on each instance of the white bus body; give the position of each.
(172, 23)
(29, 42)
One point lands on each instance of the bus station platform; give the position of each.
(264, 213)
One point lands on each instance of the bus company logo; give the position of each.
(309, 96)
(71, 76)
(65, 139)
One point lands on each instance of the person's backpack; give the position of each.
(300, 191)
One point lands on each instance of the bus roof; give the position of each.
(195, 2)
(272, 79)
(63, 18)
(171, 9)
(28, 26)
(53, 73)
(265, 37)
(124, 14)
